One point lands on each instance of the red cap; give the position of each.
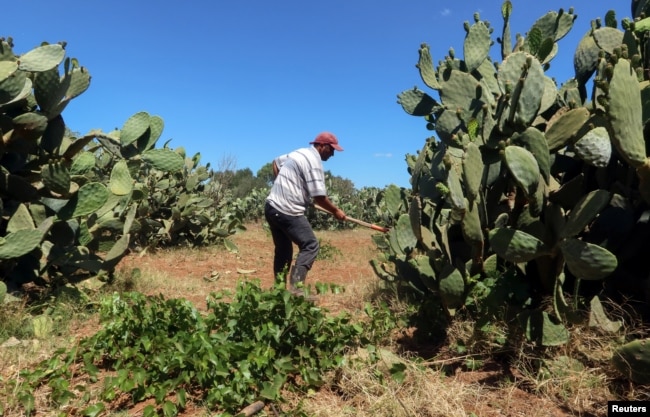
(328, 139)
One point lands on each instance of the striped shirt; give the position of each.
(301, 178)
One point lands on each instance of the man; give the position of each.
(299, 179)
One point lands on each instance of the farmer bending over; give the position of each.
(299, 178)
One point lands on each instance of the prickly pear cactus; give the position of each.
(73, 207)
(530, 171)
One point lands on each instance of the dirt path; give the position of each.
(193, 274)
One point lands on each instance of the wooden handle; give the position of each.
(357, 221)
(252, 409)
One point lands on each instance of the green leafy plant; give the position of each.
(249, 346)
(327, 251)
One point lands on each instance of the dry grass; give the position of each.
(365, 389)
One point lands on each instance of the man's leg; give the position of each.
(302, 235)
(283, 254)
(297, 230)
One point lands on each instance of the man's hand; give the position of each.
(326, 203)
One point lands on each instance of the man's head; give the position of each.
(325, 143)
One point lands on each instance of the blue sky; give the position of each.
(244, 81)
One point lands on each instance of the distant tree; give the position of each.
(266, 173)
(337, 185)
(240, 182)
(225, 171)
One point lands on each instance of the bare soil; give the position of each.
(193, 274)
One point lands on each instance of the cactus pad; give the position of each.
(452, 287)
(598, 318)
(472, 171)
(595, 147)
(121, 182)
(626, 114)
(83, 163)
(425, 65)
(56, 178)
(427, 275)
(416, 102)
(564, 129)
(134, 127)
(477, 45)
(90, 198)
(585, 212)
(21, 219)
(541, 329)
(523, 74)
(586, 260)
(535, 142)
(523, 167)
(608, 39)
(42, 58)
(633, 360)
(404, 233)
(164, 159)
(19, 243)
(514, 245)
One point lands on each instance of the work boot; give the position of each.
(296, 281)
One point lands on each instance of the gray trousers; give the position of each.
(287, 230)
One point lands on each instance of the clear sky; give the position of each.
(247, 80)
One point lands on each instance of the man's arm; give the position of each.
(327, 204)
